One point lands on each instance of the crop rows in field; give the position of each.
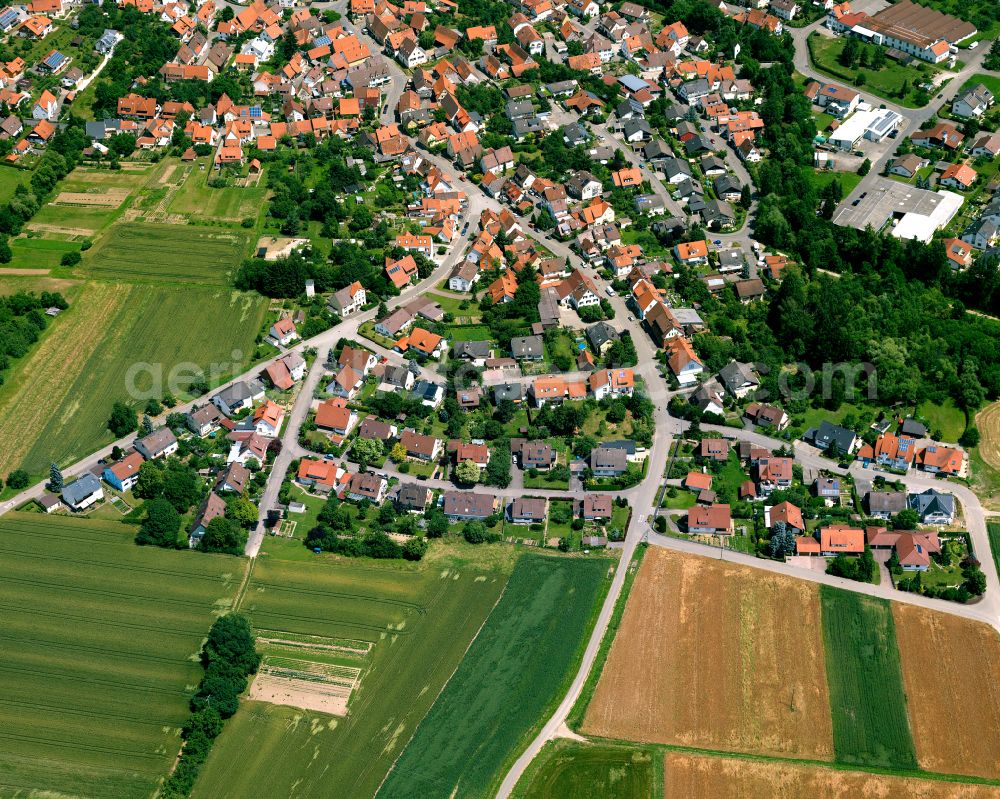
(99, 642)
(691, 776)
(870, 724)
(136, 251)
(706, 674)
(417, 621)
(115, 338)
(513, 670)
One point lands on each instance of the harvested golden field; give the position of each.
(952, 691)
(698, 777)
(988, 422)
(718, 656)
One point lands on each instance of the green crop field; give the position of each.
(167, 253)
(418, 619)
(870, 724)
(513, 671)
(99, 643)
(56, 402)
(568, 770)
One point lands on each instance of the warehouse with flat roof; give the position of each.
(905, 211)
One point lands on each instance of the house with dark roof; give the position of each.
(933, 506)
(608, 461)
(412, 498)
(596, 507)
(833, 439)
(527, 348)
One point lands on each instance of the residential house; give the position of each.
(468, 505)
(267, 418)
(235, 478)
(204, 420)
(348, 300)
(335, 416)
(124, 474)
(608, 461)
(827, 488)
(773, 473)
(933, 507)
(601, 337)
(789, 514)
(596, 507)
(941, 460)
(419, 446)
(710, 520)
(833, 439)
(533, 454)
(527, 348)
(612, 383)
(716, 449)
(885, 504)
(527, 510)
(769, 416)
(161, 443)
(739, 379)
(683, 361)
(82, 493)
(213, 507)
(972, 102)
(412, 498)
(283, 331)
(367, 487)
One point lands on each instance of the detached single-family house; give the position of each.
(710, 520)
(596, 507)
(833, 439)
(933, 507)
(468, 505)
(158, 444)
(367, 486)
(81, 494)
(348, 300)
(124, 474)
(527, 510)
(608, 461)
(885, 504)
(204, 420)
(283, 331)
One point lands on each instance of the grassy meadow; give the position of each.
(867, 699)
(517, 666)
(100, 641)
(55, 403)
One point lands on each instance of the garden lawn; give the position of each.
(886, 82)
(870, 724)
(515, 669)
(848, 180)
(100, 643)
(118, 342)
(991, 82)
(944, 416)
(456, 333)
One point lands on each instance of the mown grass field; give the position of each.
(38, 253)
(691, 776)
(419, 618)
(99, 654)
(568, 770)
(56, 401)
(870, 724)
(514, 669)
(167, 253)
(10, 178)
(742, 672)
(197, 199)
(944, 416)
